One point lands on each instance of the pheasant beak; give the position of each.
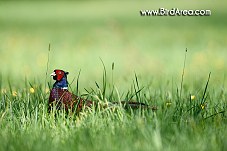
(53, 74)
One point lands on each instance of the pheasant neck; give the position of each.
(63, 84)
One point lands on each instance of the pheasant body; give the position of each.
(63, 98)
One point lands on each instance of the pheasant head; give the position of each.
(60, 78)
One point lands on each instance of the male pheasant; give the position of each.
(61, 97)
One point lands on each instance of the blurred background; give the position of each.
(82, 32)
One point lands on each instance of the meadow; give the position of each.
(115, 54)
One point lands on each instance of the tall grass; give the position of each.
(191, 123)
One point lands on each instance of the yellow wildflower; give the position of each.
(47, 90)
(202, 106)
(32, 90)
(168, 104)
(4, 91)
(14, 93)
(192, 97)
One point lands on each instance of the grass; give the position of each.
(112, 53)
(188, 123)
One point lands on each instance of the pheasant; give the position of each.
(61, 97)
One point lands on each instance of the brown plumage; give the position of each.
(62, 98)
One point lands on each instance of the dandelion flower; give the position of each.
(14, 93)
(192, 97)
(32, 90)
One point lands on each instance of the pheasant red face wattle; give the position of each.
(58, 74)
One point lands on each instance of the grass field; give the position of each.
(148, 55)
